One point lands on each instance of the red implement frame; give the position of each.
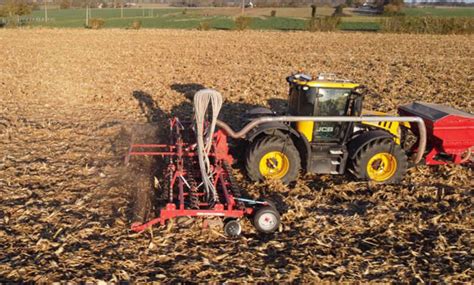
(186, 196)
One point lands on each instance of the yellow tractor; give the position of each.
(279, 149)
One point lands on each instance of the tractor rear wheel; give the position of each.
(273, 158)
(381, 161)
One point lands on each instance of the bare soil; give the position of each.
(71, 101)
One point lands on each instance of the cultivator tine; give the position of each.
(233, 182)
(127, 156)
(137, 227)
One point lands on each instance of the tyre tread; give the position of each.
(359, 162)
(252, 163)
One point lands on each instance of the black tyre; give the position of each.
(273, 157)
(266, 220)
(232, 228)
(270, 203)
(381, 161)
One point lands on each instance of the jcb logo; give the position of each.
(325, 129)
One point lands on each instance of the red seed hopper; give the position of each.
(450, 132)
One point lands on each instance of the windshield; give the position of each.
(332, 102)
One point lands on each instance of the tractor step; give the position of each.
(328, 158)
(336, 151)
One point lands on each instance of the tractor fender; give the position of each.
(258, 112)
(271, 129)
(284, 131)
(356, 144)
(255, 113)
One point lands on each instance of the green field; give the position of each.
(173, 18)
(221, 18)
(440, 12)
(75, 18)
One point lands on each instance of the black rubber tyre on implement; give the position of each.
(381, 161)
(266, 220)
(273, 157)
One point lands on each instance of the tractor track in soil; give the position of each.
(72, 101)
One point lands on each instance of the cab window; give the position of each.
(331, 102)
(302, 100)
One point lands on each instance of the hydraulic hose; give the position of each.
(202, 99)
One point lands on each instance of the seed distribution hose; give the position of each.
(202, 99)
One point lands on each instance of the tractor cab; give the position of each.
(325, 96)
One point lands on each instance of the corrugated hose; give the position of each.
(202, 99)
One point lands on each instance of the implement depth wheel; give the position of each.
(273, 158)
(381, 161)
(266, 220)
(232, 228)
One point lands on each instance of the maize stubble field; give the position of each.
(73, 100)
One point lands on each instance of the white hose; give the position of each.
(202, 98)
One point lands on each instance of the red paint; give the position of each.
(450, 133)
(222, 148)
(184, 165)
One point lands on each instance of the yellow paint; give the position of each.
(274, 165)
(391, 127)
(373, 113)
(306, 128)
(327, 84)
(381, 166)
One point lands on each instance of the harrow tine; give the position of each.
(127, 157)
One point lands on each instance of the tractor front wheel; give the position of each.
(273, 158)
(381, 161)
